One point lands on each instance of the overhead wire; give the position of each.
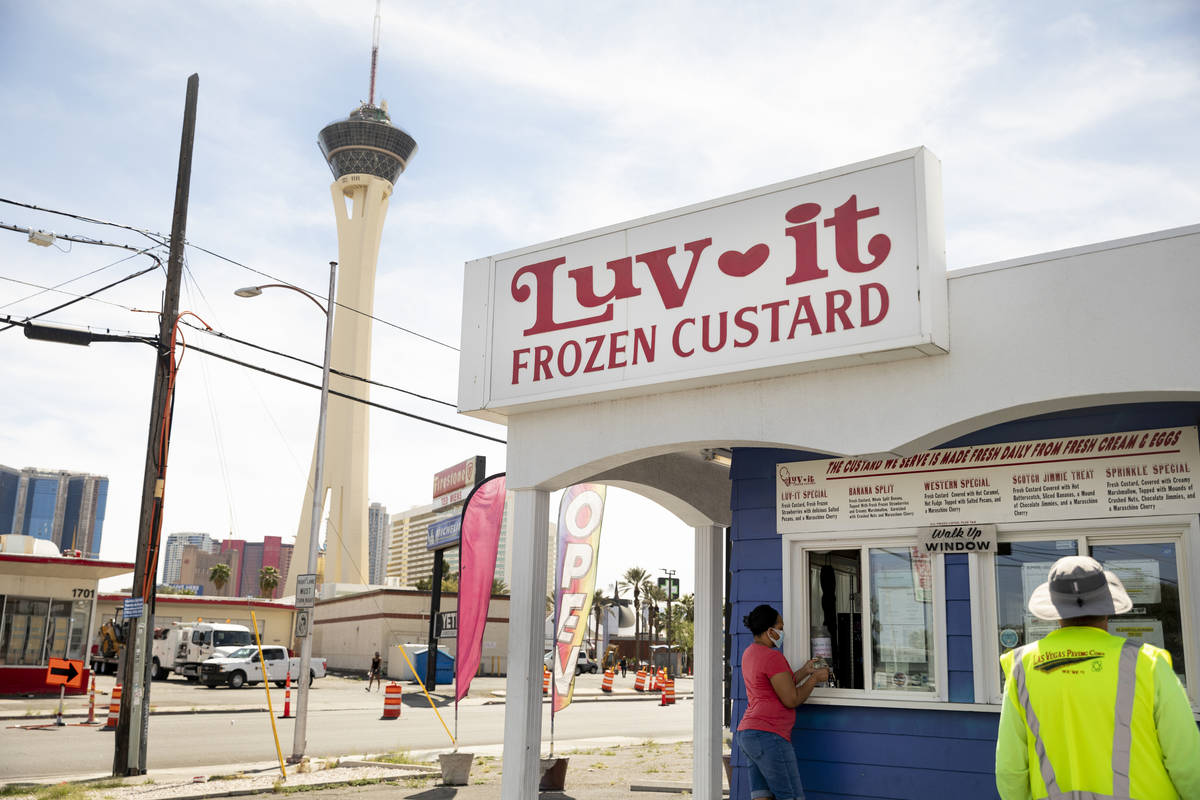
(41, 292)
(317, 294)
(79, 297)
(336, 393)
(161, 240)
(190, 283)
(338, 372)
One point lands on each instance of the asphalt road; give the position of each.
(231, 737)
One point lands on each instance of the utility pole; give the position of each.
(129, 757)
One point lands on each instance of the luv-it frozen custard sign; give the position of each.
(781, 279)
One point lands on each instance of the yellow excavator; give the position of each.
(106, 655)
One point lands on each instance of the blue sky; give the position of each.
(1056, 124)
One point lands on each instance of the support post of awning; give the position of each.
(523, 705)
(706, 761)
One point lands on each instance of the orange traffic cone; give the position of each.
(287, 697)
(114, 709)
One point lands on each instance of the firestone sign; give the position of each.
(775, 280)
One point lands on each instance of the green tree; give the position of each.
(165, 589)
(219, 574)
(268, 579)
(499, 587)
(635, 579)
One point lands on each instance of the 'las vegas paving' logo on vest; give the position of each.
(1053, 659)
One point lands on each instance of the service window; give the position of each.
(872, 611)
(1149, 560)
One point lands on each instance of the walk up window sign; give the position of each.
(847, 264)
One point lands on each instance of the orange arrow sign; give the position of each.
(63, 671)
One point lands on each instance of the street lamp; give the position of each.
(670, 573)
(298, 740)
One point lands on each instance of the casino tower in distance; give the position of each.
(366, 154)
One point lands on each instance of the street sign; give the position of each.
(63, 672)
(303, 623)
(447, 623)
(443, 533)
(306, 591)
(672, 591)
(133, 607)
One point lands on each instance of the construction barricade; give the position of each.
(668, 693)
(639, 683)
(606, 684)
(114, 709)
(392, 701)
(545, 679)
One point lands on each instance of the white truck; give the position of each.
(243, 666)
(166, 648)
(208, 639)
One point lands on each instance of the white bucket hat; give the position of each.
(1079, 587)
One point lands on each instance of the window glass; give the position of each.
(1150, 575)
(901, 620)
(1020, 568)
(23, 631)
(230, 638)
(835, 613)
(58, 631)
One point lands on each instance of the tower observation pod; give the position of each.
(366, 154)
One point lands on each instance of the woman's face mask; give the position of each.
(776, 636)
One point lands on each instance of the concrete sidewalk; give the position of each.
(604, 768)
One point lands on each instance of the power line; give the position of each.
(338, 372)
(347, 396)
(78, 297)
(339, 305)
(157, 238)
(160, 239)
(153, 341)
(64, 283)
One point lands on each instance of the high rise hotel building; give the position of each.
(63, 507)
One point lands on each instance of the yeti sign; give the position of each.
(836, 268)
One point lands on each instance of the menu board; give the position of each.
(1137, 473)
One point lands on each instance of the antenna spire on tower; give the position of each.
(374, 52)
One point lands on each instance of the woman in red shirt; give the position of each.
(773, 691)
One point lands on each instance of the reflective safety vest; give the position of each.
(1088, 703)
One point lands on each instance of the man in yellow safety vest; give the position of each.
(1088, 715)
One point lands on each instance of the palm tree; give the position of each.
(219, 574)
(499, 587)
(635, 579)
(268, 579)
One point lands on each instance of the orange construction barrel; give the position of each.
(606, 684)
(114, 709)
(392, 701)
(639, 684)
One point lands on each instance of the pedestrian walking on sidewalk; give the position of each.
(622, 666)
(1089, 714)
(773, 691)
(376, 673)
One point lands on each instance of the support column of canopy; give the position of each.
(523, 704)
(706, 707)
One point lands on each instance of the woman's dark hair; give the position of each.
(761, 618)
